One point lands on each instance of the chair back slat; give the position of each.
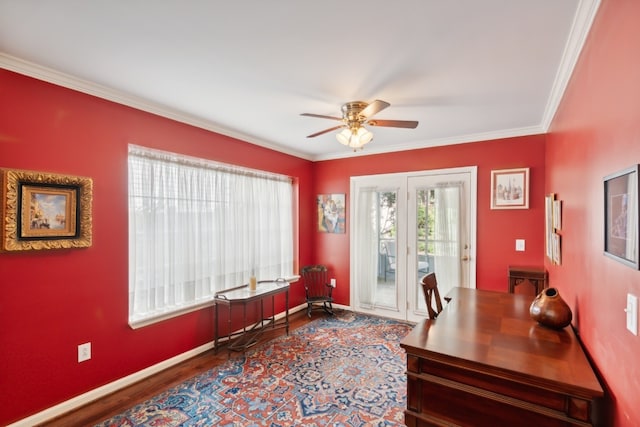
(315, 280)
(317, 288)
(431, 294)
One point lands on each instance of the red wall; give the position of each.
(597, 132)
(54, 300)
(497, 229)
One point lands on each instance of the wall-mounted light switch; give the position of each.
(520, 245)
(632, 314)
(333, 283)
(84, 352)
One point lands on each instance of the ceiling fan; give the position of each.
(355, 115)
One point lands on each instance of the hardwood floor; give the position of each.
(124, 399)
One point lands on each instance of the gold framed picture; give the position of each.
(45, 210)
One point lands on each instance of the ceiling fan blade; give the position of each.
(320, 116)
(374, 108)
(324, 131)
(410, 124)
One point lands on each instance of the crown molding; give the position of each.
(58, 78)
(416, 145)
(583, 19)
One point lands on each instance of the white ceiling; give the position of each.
(467, 70)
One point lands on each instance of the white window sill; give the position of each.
(136, 324)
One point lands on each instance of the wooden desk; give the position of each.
(242, 296)
(484, 362)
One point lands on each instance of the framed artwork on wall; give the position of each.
(510, 189)
(331, 213)
(557, 214)
(549, 200)
(621, 216)
(45, 211)
(556, 241)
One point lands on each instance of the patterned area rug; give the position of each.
(346, 370)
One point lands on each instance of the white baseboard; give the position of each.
(97, 393)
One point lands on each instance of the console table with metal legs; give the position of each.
(242, 296)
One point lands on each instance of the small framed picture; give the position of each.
(621, 216)
(557, 248)
(510, 189)
(557, 214)
(48, 211)
(331, 213)
(45, 211)
(549, 200)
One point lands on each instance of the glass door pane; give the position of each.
(386, 293)
(377, 264)
(424, 240)
(439, 240)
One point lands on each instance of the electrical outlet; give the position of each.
(84, 352)
(333, 283)
(520, 245)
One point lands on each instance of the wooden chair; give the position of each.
(317, 288)
(431, 294)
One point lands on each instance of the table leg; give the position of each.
(273, 312)
(215, 328)
(229, 333)
(244, 319)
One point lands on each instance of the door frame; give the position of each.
(403, 313)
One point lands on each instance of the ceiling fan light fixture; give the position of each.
(344, 136)
(354, 138)
(354, 115)
(365, 136)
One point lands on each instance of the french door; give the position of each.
(405, 226)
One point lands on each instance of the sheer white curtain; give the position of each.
(447, 223)
(197, 227)
(366, 246)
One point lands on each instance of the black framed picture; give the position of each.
(621, 216)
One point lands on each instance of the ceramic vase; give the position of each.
(550, 310)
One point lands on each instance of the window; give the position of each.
(197, 227)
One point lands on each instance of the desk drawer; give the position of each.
(426, 375)
(440, 403)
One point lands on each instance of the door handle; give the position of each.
(465, 258)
